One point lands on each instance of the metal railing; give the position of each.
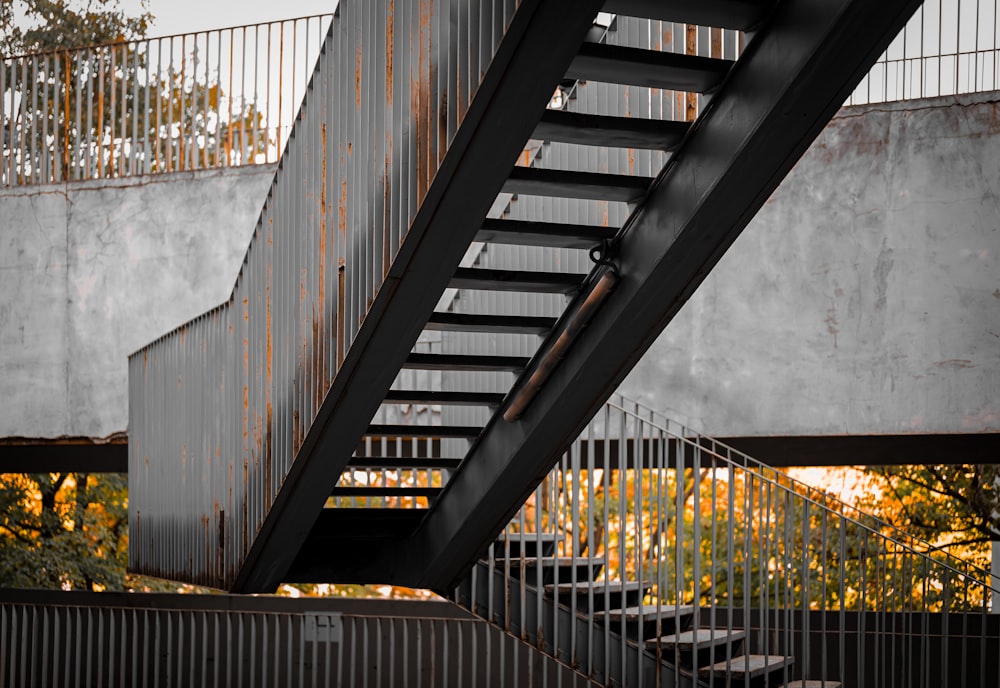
(219, 408)
(54, 638)
(947, 48)
(185, 102)
(707, 538)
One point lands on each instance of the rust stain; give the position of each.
(357, 78)
(389, 27)
(955, 363)
(342, 208)
(296, 441)
(341, 285)
(442, 121)
(184, 330)
(318, 339)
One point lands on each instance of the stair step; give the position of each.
(375, 491)
(405, 462)
(342, 523)
(686, 641)
(493, 324)
(614, 132)
(405, 396)
(739, 15)
(529, 543)
(586, 569)
(601, 186)
(425, 430)
(618, 594)
(646, 612)
(516, 280)
(555, 234)
(814, 684)
(467, 362)
(648, 68)
(670, 619)
(747, 666)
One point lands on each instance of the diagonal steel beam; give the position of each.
(539, 44)
(794, 76)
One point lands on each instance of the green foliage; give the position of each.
(63, 531)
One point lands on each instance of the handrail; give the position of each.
(641, 511)
(920, 545)
(198, 100)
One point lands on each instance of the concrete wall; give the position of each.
(865, 296)
(91, 271)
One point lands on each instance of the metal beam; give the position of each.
(793, 77)
(538, 46)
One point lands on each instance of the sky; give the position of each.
(185, 16)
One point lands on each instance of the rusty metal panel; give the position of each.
(219, 407)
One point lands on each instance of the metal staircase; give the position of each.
(651, 555)
(671, 124)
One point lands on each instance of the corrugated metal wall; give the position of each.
(60, 643)
(219, 408)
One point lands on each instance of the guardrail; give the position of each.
(948, 47)
(184, 102)
(705, 536)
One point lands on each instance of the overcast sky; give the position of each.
(185, 16)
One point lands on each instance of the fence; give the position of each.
(948, 47)
(184, 102)
(53, 638)
(642, 511)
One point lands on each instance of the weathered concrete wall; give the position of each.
(865, 296)
(91, 271)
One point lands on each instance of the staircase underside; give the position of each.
(803, 59)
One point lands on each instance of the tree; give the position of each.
(954, 506)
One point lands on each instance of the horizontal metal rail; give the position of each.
(191, 101)
(707, 539)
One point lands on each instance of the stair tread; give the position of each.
(597, 586)
(535, 181)
(814, 684)
(604, 130)
(517, 280)
(466, 362)
(403, 462)
(370, 490)
(748, 665)
(549, 561)
(418, 396)
(648, 68)
(648, 611)
(477, 322)
(706, 637)
(739, 15)
(425, 430)
(554, 234)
